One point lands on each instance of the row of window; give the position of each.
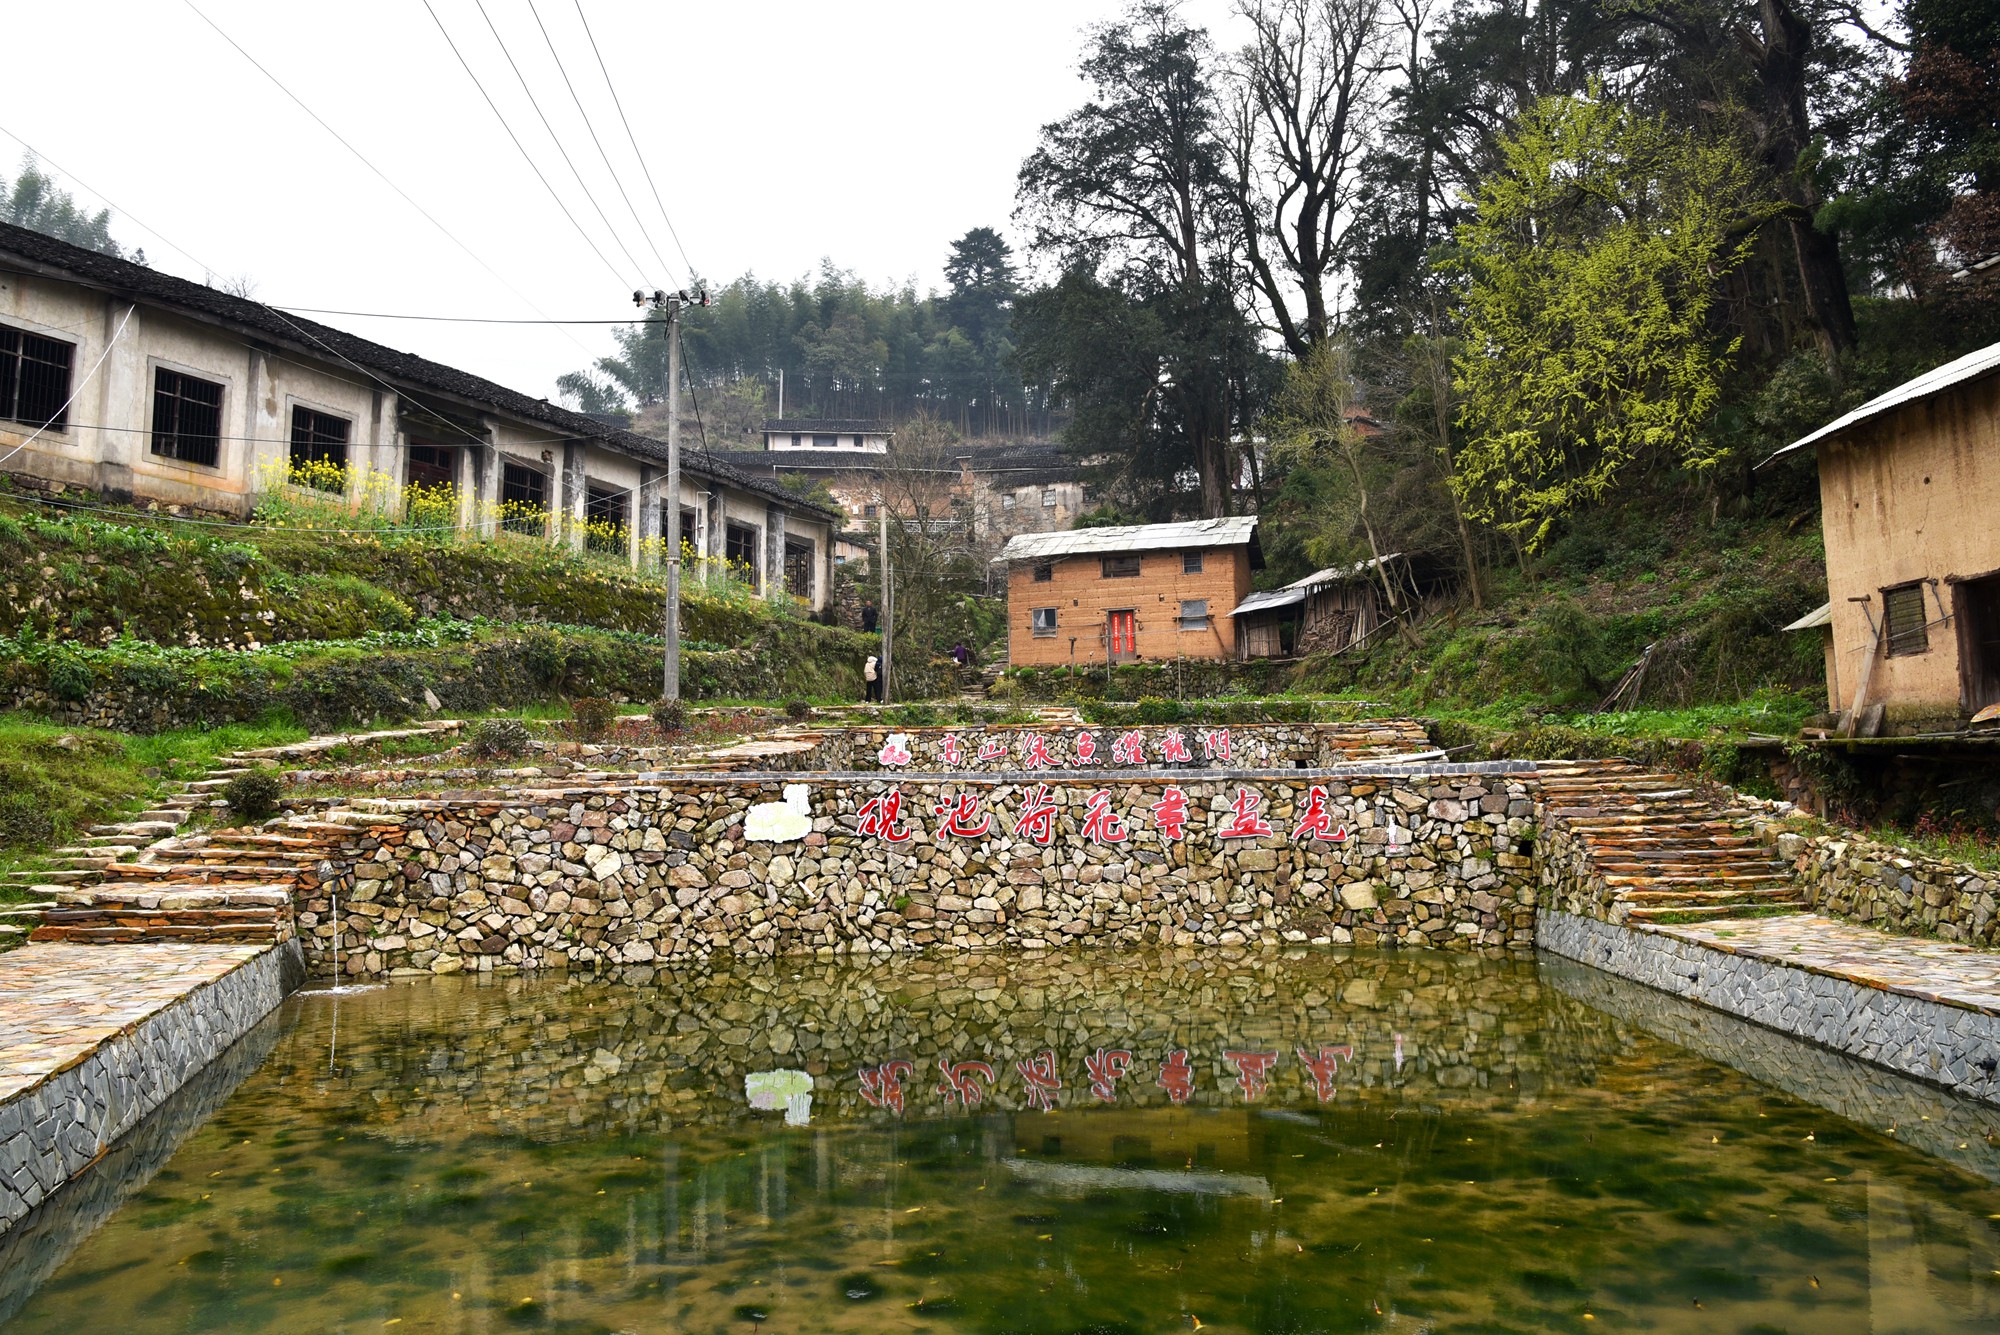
(1118, 567)
(1194, 616)
(824, 442)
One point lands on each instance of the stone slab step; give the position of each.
(176, 897)
(225, 934)
(166, 918)
(58, 876)
(1696, 882)
(203, 872)
(1784, 894)
(1709, 912)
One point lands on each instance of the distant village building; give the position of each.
(990, 490)
(1327, 612)
(1910, 506)
(138, 386)
(1150, 592)
(867, 436)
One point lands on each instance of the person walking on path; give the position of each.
(870, 618)
(871, 676)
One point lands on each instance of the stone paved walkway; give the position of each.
(58, 1002)
(1951, 975)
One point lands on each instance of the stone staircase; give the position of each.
(140, 880)
(1652, 847)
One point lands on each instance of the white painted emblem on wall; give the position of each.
(769, 1091)
(783, 822)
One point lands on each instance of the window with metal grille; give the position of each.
(319, 450)
(1045, 571)
(740, 546)
(1194, 614)
(796, 439)
(187, 418)
(1190, 563)
(1121, 567)
(687, 527)
(799, 568)
(604, 511)
(524, 500)
(1045, 621)
(1903, 621)
(34, 379)
(1049, 499)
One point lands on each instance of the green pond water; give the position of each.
(1305, 1142)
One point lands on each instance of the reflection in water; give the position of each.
(1105, 1142)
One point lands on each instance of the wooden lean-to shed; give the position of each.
(1327, 612)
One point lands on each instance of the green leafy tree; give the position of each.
(34, 200)
(1592, 260)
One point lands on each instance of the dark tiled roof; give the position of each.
(835, 425)
(401, 369)
(1019, 465)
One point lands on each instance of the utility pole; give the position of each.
(670, 683)
(888, 589)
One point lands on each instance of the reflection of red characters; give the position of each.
(1247, 824)
(883, 1085)
(1253, 1071)
(1317, 819)
(1107, 1067)
(993, 748)
(1037, 820)
(1177, 1076)
(1130, 749)
(1215, 745)
(1324, 1067)
(951, 751)
(1174, 749)
(959, 1083)
(1037, 755)
(882, 818)
(1086, 747)
(1100, 823)
(1170, 813)
(1043, 1082)
(893, 754)
(959, 813)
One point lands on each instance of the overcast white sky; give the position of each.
(872, 133)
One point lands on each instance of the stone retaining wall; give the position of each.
(1935, 1043)
(53, 1131)
(1891, 888)
(638, 873)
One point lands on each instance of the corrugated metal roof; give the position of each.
(1968, 367)
(1819, 616)
(1336, 574)
(1264, 602)
(1229, 532)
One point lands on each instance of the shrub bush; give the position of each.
(591, 716)
(499, 738)
(24, 822)
(69, 676)
(671, 716)
(253, 796)
(798, 709)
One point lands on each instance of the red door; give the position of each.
(1121, 633)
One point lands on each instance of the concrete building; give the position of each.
(1149, 592)
(862, 435)
(137, 386)
(1909, 494)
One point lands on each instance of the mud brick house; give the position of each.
(1149, 592)
(134, 385)
(1910, 504)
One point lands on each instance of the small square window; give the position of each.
(1121, 567)
(1045, 571)
(1045, 622)
(319, 450)
(1008, 502)
(1904, 625)
(187, 418)
(796, 439)
(1194, 614)
(1190, 563)
(34, 380)
(524, 500)
(1049, 499)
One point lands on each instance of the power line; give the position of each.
(363, 158)
(494, 107)
(633, 140)
(616, 179)
(442, 319)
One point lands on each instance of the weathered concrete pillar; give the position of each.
(486, 500)
(774, 554)
(711, 528)
(575, 494)
(646, 528)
